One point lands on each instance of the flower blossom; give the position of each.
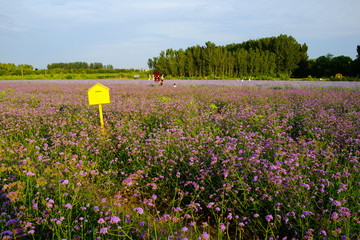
(115, 219)
(139, 210)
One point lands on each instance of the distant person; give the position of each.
(174, 84)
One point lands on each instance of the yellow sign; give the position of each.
(98, 94)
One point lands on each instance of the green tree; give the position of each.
(198, 61)
(161, 64)
(341, 64)
(180, 61)
(172, 68)
(151, 63)
(189, 62)
(288, 54)
(355, 65)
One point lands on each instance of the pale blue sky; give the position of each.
(126, 33)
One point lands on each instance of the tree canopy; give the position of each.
(273, 56)
(78, 65)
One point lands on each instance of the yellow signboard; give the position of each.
(98, 94)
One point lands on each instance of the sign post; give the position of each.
(99, 94)
(101, 118)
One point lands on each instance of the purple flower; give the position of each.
(103, 230)
(334, 216)
(101, 221)
(307, 213)
(68, 206)
(64, 182)
(256, 215)
(31, 232)
(11, 222)
(269, 218)
(139, 210)
(7, 232)
(30, 173)
(222, 227)
(184, 229)
(336, 203)
(205, 236)
(115, 219)
(322, 232)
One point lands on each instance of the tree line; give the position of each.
(75, 67)
(78, 65)
(329, 66)
(276, 57)
(12, 69)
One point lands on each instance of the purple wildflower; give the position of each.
(8, 232)
(222, 227)
(334, 216)
(115, 219)
(101, 221)
(139, 210)
(205, 236)
(269, 218)
(11, 222)
(103, 230)
(64, 181)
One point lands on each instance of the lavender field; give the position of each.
(192, 162)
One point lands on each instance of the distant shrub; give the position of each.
(69, 76)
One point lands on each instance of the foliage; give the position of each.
(78, 65)
(189, 162)
(328, 66)
(58, 73)
(267, 56)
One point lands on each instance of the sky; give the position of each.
(126, 33)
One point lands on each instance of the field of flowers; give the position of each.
(179, 163)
